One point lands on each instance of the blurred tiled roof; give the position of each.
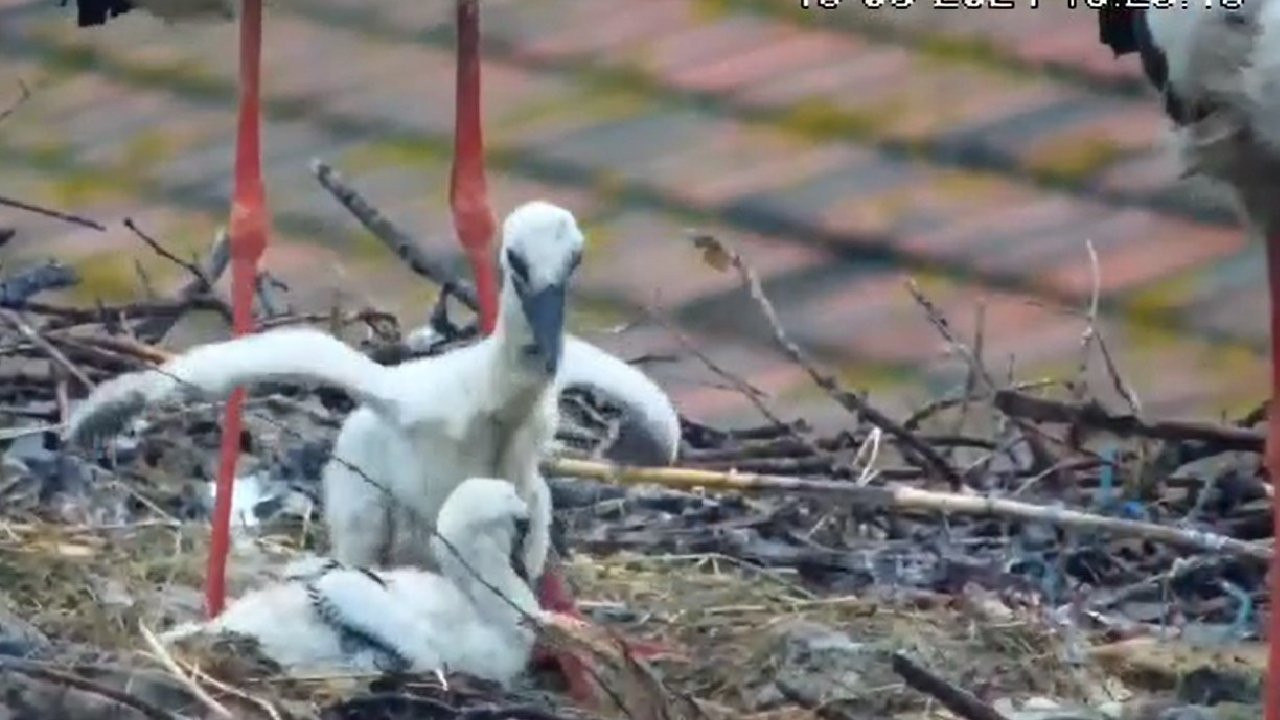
(844, 150)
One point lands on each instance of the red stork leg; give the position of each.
(468, 192)
(248, 236)
(474, 221)
(1271, 702)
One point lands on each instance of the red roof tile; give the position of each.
(630, 153)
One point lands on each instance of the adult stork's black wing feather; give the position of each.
(1116, 29)
(98, 12)
(1125, 31)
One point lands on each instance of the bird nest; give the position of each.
(1002, 549)
(745, 641)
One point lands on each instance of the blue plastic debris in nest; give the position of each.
(16, 291)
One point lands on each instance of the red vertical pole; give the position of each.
(248, 239)
(468, 190)
(1271, 702)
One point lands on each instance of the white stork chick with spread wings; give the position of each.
(484, 410)
(473, 616)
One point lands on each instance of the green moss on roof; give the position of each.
(1073, 160)
(1161, 296)
(107, 276)
(365, 247)
(711, 10)
(952, 49)
(146, 150)
(61, 60)
(819, 119)
(600, 236)
(415, 152)
(588, 314)
(871, 376)
(81, 186)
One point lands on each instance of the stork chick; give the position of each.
(471, 617)
(484, 410)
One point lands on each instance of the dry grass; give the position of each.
(95, 585)
(726, 621)
(730, 622)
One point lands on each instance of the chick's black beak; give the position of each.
(518, 540)
(544, 310)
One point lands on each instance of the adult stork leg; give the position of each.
(474, 221)
(248, 240)
(468, 192)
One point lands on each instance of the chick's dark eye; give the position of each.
(518, 265)
(575, 261)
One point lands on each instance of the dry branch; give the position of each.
(1044, 460)
(720, 255)
(50, 212)
(393, 237)
(24, 94)
(163, 656)
(202, 282)
(1092, 415)
(901, 498)
(956, 699)
(163, 252)
(56, 355)
(67, 680)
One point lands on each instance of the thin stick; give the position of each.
(1093, 415)
(753, 394)
(24, 94)
(1043, 458)
(393, 237)
(265, 706)
(1090, 332)
(148, 287)
(899, 498)
(49, 212)
(160, 250)
(211, 270)
(48, 674)
(934, 407)
(720, 255)
(956, 699)
(165, 659)
(105, 313)
(14, 319)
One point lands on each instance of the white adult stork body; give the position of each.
(471, 617)
(1218, 71)
(1217, 67)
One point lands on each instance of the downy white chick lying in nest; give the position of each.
(473, 616)
(485, 410)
